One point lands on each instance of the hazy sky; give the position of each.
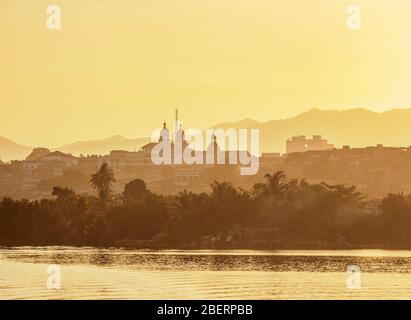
(122, 66)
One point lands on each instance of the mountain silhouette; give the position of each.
(355, 127)
(11, 150)
(103, 146)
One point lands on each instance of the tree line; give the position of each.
(275, 213)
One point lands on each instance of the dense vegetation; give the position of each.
(274, 213)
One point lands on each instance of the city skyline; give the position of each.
(247, 122)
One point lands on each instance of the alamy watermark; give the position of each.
(53, 277)
(354, 17)
(205, 148)
(53, 21)
(353, 277)
(353, 22)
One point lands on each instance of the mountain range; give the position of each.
(354, 127)
(10, 150)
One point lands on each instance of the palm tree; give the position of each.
(274, 182)
(222, 190)
(102, 181)
(184, 200)
(348, 193)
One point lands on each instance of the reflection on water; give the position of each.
(138, 274)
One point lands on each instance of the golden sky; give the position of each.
(122, 66)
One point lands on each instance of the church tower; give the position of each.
(214, 155)
(179, 140)
(164, 134)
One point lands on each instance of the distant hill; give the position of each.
(354, 127)
(10, 150)
(103, 146)
(242, 124)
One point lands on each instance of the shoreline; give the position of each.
(211, 248)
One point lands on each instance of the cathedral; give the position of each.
(174, 175)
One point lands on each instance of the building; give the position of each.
(302, 144)
(37, 154)
(89, 164)
(374, 170)
(69, 160)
